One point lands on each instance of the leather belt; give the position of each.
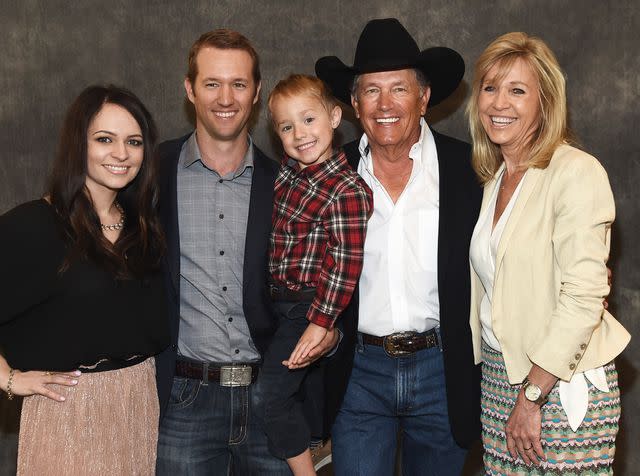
(232, 375)
(401, 344)
(283, 293)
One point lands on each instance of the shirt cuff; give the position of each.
(333, 351)
(320, 318)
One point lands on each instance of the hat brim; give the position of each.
(443, 67)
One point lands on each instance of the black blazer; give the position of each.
(460, 198)
(254, 297)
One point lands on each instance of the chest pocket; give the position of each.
(427, 251)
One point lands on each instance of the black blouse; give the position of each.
(83, 316)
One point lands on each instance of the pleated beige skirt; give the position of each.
(108, 425)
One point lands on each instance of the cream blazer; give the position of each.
(550, 274)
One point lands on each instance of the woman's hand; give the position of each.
(524, 425)
(523, 431)
(37, 382)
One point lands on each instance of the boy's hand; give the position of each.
(311, 337)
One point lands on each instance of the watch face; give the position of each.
(532, 392)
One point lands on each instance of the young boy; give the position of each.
(319, 223)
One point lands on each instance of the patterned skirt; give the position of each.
(107, 426)
(587, 451)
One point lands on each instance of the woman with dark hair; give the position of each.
(83, 297)
(550, 396)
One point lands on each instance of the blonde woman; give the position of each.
(550, 397)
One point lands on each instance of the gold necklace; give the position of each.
(120, 224)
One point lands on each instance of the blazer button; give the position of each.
(583, 346)
(174, 346)
(572, 366)
(577, 356)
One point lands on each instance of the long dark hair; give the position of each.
(141, 242)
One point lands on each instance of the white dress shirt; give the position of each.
(483, 251)
(399, 281)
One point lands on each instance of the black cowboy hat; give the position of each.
(385, 45)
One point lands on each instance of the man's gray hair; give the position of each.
(423, 82)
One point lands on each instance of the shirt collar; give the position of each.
(317, 172)
(415, 153)
(191, 154)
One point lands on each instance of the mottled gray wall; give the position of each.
(50, 50)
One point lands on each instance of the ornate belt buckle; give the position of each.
(235, 376)
(394, 344)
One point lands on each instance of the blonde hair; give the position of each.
(302, 84)
(552, 129)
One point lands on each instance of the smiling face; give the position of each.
(389, 105)
(115, 150)
(223, 93)
(305, 127)
(509, 106)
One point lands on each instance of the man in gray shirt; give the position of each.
(216, 203)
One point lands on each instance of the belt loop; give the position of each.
(205, 373)
(360, 343)
(438, 337)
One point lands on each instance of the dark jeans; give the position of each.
(214, 430)
(287, 428)
(386, 395)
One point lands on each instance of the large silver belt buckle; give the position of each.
(392, 344)
(235, 376)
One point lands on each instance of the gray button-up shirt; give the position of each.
(212, 217)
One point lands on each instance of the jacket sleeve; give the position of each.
(583, 212)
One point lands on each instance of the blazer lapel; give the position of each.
(170, 156)
(259, 221)
(448, 188)
(528, 185)
(173, 236)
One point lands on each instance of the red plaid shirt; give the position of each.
(319, 224)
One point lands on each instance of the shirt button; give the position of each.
(583, 346)
(221, 252)
(220, 181)
(231, 319)
(224, 288)
(237, 351)
(577, 356)
(572, 366)
(221, 216)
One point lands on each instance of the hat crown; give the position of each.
(384, 44)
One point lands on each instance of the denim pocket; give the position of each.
(183, 392)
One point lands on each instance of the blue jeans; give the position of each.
(214, 430)
(386, 395)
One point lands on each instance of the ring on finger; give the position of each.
(527, 449)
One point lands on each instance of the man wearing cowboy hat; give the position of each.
(406, 361)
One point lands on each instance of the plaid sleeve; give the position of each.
(346, 224)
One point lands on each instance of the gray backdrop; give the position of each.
(50, 50)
